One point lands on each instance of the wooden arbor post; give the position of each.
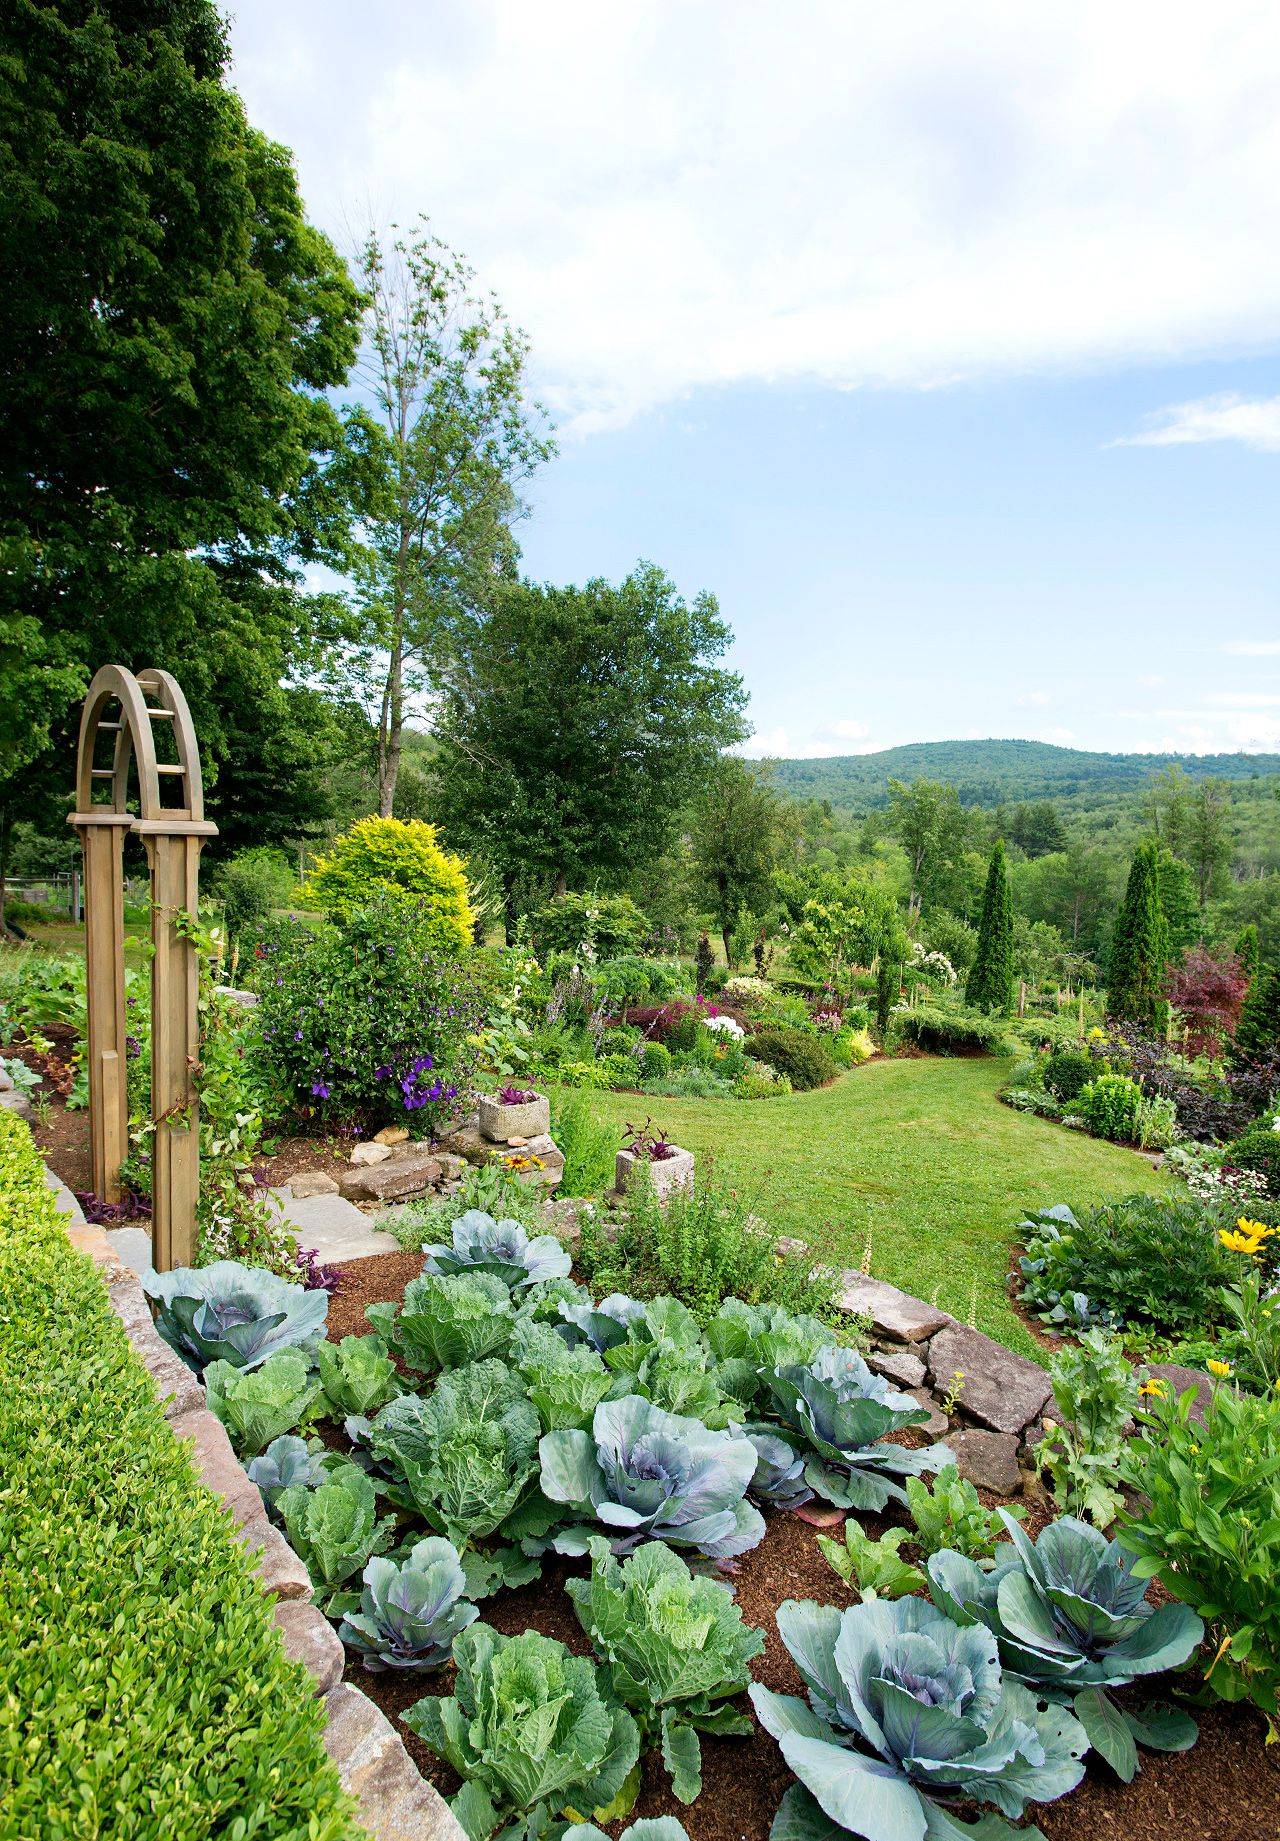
(128, 709)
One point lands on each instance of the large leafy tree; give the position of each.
(576, 724)
(438, 461)
(934, 830)
(990, 984)
(736, 833)
(1140, 944)
(169, 327)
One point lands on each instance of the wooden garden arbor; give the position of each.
(129, 710)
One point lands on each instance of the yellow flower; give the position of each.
(1221, 1369)
(1242, 1238)
(1152, 1389)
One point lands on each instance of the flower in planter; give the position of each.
(647, 1144)
(516, 1096)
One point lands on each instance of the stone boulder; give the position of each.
(893, 1313)
(1177, 1379)
(413, 1172)
(988, 1459)
(1001, 1390)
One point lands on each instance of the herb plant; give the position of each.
(951, 1515)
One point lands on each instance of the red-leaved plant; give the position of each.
(1207, 990)
(516, 1096)
(646, 1142)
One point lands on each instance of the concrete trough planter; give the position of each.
(667, 1175)
(500, 1124)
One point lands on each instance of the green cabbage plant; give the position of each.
(1073, 1622)
(645, 1474)
(445, 1322)
(502, 1248)
(335, 1528)
(529, 1732)
(767, 1338)
(411, 1610)
(468, 1452)
(908, 1713)
(261, 1404)
(664, 1358)
(233, 1313)
(841, 1412)
(676, 1649)
(358, 1375)
(565, 1383)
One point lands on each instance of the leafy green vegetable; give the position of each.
(651, 1828)
(664, 1358)
(261, 1404)
(446, 1322)
(841, 1411)
(565, 1383)
(410, 1611)
(676, 1649)
(335, 1529)
(358, 1375)
(766, 1337)
(1095, 1393)
(233, 1313)
(906, 1711)
(652, 1475)
(951, 1515)
(468, 1453)
(875, 1567)
(1072, 1621)
(529, 1731)
(502, 1248)
(287, 1463)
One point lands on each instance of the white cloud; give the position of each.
(1208, 731)
(1255, 423)
(673, 197)
(1253, 648)
(1243, 700)
(845, 736)
(1152, 680)
(1033, 699)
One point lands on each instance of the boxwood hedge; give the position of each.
(143, 1688)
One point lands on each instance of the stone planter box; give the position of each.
(667, 1175)
(500, 1124)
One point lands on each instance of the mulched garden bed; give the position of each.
(1226, 1789)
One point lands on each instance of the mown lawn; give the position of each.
(918, 1158)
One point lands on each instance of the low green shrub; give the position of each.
(761, 1082)
(395, 860)
(1068, 1070)
(1209, 1530)
(143, 1688)
(249, 885)
(1109, 1105)
(1258, 1149)
(802, 1056)
(951, 1032)
(1146, 1259)
(612, 925)
(656, 1062)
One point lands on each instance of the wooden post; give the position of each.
(175, 1048)
(102, 837)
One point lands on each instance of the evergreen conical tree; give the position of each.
(990, 985)
(1258, 1032)
(1246, 950)
(1140, 945)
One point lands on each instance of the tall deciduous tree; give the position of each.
(736, 833)
(990, 983)
(169, 327)
(1208, 848)
(1140, 944)
(929, 822)
(438, 464)
(575, 724)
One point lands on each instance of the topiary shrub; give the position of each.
(1258, 1149)
(656, 1064)
(803, 1057)
(1068, 1070)
(1109, 1106)
(399, 859)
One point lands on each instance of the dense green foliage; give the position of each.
(389, 858)
(196, 1722)
(804, 1058)
(1140, 948)
(1145, 1259)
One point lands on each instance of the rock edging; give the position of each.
(396, 1803)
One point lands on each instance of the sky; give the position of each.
(941, 343)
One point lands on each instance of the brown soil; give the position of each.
(1226, 1789)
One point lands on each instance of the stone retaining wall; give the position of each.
(396, 1803)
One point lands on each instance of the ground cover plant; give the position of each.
(102, 1524)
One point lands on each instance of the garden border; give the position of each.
(396, 1803)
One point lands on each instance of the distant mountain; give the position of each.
(990, 773)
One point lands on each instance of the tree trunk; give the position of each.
(726, 934)
(561, 884)
(391, 723)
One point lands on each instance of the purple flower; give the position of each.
(132, 1047)
(382, 1073)
(319, 1089)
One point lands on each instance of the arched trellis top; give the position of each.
(129, 709)
(117, 706)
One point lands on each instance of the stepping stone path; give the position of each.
(333, 1227)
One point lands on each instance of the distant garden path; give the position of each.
(920, 1154)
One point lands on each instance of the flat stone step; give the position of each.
(132, 1247)
(1001, 1390)
(333, 1227)
(893, 1313)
